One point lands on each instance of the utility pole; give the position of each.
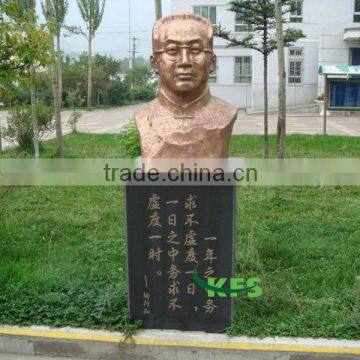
(129, 34)
(134, 52)
(158, 9)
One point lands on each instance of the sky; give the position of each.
(112, 37)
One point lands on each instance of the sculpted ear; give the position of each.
(154, 64)
(213, 62)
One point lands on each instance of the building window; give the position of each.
(357, 11)
(296, 13)
(243, 69)
(208, 12)
(213, 76)
(296, 61)
(239, 24)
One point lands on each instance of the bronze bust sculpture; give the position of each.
(184, 121)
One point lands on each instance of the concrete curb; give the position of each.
(157, 344)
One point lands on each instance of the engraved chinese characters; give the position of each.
(171, 231)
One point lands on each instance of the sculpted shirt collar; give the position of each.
(187, 108)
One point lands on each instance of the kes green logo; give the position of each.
(252, 289)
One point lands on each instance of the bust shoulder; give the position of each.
(143, 114)
(146, 109)
(223, 108)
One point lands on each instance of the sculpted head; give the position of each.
(183, 54)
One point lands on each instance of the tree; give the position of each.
(1, 19)
(158, 9)
(22, 43)
(24, 48)
(27, 10)
(105, 68)
(141, 80)
(55, 12)
(281, 125)
(92, 12)
(140, 76)
(259, 15)
(118, 92)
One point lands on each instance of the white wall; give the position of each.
(297, 94)
(333, 50)
(239, 95)
(324, 22)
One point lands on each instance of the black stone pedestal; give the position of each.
(170, 231)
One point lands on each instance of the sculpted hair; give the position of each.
(186, 16)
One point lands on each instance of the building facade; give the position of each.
(332, 29)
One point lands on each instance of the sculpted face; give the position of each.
(183, 56)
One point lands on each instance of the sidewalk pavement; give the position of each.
(201, 357)
(26, 357)
(112, 120)
(165, 345)
(309, 124)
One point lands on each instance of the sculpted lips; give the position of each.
(184, 76)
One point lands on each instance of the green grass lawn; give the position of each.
(62, 249)
(298, 146)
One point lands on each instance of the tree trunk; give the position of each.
(33, 115)
(0, 139)
(158, 9)
(266, 108)
(74, 123)
(281, 125)
(57, 99)
(58, 49)
(89, 95)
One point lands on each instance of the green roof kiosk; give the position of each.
(342, 89)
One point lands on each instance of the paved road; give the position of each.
(98, 121)
(310, 124)
(25, 357)
(193, 356)
(111, 121)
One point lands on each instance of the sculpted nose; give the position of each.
(184, 59)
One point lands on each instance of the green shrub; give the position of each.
(118, 92)
(143, 93)
(74, 119)
(19, 125)
(130, 141)
(74, 99)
